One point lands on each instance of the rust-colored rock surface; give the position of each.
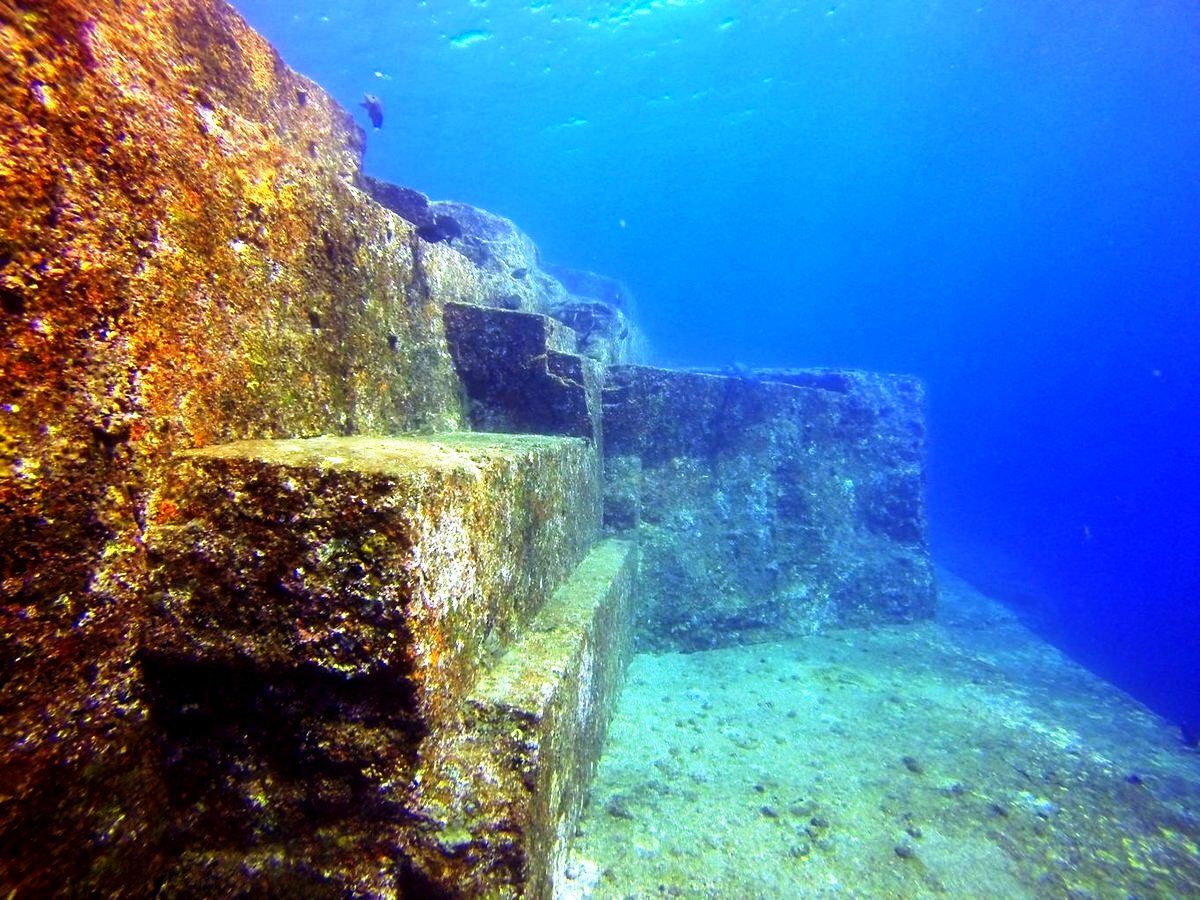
(185, 259)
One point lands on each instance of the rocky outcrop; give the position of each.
(511, 275)
(241, 655)
(596, 308)
(768, 504)
(185, 259)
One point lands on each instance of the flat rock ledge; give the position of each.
(504, 793)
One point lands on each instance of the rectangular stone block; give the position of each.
(322, 610)
(770, 503)
(502, 794)
(416, 557)
(522, 373)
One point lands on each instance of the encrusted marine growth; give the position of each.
(254, 641)
(521, 372)
(768, 504)
(374, 660)
(185, 259)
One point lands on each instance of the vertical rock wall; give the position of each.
(768, 504)
(185, 259)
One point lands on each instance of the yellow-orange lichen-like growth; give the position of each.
(180, 237)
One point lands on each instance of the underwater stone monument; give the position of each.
(281, 615)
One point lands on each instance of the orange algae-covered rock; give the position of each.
(185, 259)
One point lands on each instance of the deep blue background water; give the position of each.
(1001, 197)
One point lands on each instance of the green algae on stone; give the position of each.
(362, 554)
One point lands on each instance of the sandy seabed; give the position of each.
(963, 757)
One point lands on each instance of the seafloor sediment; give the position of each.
(963, 757)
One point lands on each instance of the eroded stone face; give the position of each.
(362, 556)
(501, 795)
(598, 309)
(185, 259)
(767, 507)
(521, 373)
(322, 613)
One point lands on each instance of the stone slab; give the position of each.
(359, 555)
(766, 508)
(322, 609)
(484, 805)
(502, 796)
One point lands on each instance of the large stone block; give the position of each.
(186, 259)
(768, 504)
(501, 795)
(521, 373)
(361, 556)
(323, 610)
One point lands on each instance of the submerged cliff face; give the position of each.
(233, 661)
(186, 260)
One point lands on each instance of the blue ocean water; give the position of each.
(1003, 198)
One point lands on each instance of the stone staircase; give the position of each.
(383, 666)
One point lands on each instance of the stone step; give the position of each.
(522, 372)
(502, 795)
(368, 556)
(320, 610)
(496, 794)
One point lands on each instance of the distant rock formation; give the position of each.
(514, 277)
(768, 503)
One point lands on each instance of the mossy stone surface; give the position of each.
(187, 260)
(324, 612)
(359, 555)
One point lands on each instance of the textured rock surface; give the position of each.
(187, 260)
(514, 277)
(502, 801)
(322, 609)
(601, 311)
(511, 275)
(521, 374)
(184, 259)
(765, 508)
(604, 332)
